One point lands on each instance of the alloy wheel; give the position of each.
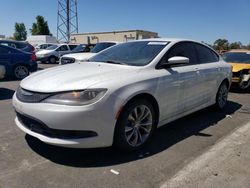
(222, 97)
(21, 72)
(139, 125)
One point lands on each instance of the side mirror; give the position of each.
(176, 60)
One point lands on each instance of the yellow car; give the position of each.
(240, 60)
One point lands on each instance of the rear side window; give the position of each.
(185, 49)
(21, 45)
(205, 55)
(72, 47)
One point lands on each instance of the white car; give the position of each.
(2, 71)
(54, 52)
(123, 94)
(77, 57)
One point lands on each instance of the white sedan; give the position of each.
(122, 95)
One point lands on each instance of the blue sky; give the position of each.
(203, 20)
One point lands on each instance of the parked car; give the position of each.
(24, 46)
(2, 71)
(43, 46)
(81, 48)
(240, 60)
(123, 94)
(54, 52)
(73, 57)
(17, 63)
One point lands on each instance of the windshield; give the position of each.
(131, 53)
(236, 57)
(53, 47)
(79, 48)
(101, 46)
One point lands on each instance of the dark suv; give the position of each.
(24, 46)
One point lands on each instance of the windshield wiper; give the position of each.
(116, 62)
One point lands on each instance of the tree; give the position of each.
(221, 44)
(40, 27)
(235, 45)
(20, 31)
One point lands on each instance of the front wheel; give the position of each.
(221, 97)
(135, 125)
(21, 71)
(52, 60)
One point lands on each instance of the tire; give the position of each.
(20, 72)
(52, 59)
(133, 131)
(221, 96)
(244, 86)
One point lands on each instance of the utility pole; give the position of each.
(67, 19)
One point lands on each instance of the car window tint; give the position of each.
(205, 55)
(184, 50)
(3, 50)
(72, 47)
(21, 45)
(63, 48)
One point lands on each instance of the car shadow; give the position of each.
(163, 138)
(6, 93)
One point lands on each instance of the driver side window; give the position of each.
(63, 48)
(185, 49)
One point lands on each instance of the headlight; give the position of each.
(77, 98)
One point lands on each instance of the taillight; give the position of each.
(33, 57)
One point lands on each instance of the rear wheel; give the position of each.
(21, 71)
(221, 97)
(135, 125)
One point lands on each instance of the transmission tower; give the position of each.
(67, 19)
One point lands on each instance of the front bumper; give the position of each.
(95, 118)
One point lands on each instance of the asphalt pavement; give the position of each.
(27, 162)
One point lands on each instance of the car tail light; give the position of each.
(33, 57)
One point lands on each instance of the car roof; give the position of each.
(116, 42)
(168, 40)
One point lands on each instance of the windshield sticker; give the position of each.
(157, 43)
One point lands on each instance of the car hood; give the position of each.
(75, 76)
(80, 56)
(240, 66)
(42, 52)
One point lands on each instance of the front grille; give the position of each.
(237, 74)
(67, 60)
(30, 96)
(40, 128)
